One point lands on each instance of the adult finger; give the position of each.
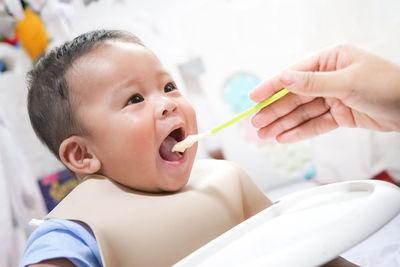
(326, 84)
(311, 128)
(279, 109)
(300, 115)
(266, 89)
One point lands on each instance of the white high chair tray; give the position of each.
(306, 228)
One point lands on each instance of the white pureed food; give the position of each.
(189, 141)
(183, 145)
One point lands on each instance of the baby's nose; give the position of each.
(166, 107)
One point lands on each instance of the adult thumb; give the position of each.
(326, 84)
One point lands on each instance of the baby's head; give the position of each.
(104, 104)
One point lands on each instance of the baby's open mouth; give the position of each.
(174, 137)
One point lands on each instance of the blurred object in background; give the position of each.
(57, 17)
(7, 24)
(15, 62)
(14, 8)
(56, 186)
(351, 154)
(13, 102)
(20, 199)
(31, 32)
(236, 88)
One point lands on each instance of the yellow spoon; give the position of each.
(191, 139)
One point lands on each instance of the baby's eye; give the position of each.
(169, 87)
(136, 98)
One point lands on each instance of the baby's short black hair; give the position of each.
(50, 105)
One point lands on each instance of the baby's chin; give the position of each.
(167, 185)
(175, 184)
(175, 187)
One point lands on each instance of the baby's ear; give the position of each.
(76, 155)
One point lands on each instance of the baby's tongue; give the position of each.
(165, 150)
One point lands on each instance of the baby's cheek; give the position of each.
(192, 117)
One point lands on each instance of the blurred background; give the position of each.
(217, 51)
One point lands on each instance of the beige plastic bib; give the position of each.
(145, 229)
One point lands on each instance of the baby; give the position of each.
(106, 107)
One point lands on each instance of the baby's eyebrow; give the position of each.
(163, 73)
(123, 86)
(126, 85)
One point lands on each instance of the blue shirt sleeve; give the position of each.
(56, 238)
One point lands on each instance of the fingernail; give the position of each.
(255, 121)
(265, 135)
(288, 77)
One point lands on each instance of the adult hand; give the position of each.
(339, 86)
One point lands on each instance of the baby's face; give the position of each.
(133, 114)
